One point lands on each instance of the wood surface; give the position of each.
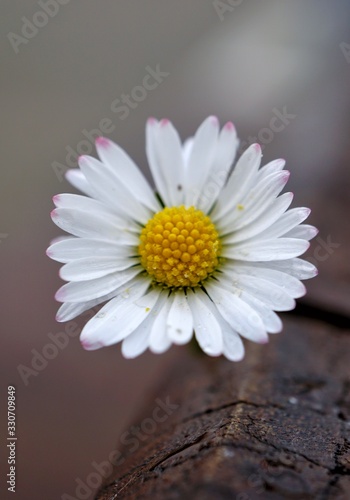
(274, 426)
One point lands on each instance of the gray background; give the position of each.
(260, 56)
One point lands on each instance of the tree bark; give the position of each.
(276, 425)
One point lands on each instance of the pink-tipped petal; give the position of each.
(59, 295)
(285, 176)
(103, 142)
(151, 120)
(230, 126)
(214, 120)
(82, 159)
(164, 122)
(58, 318)
(263, 340)
(90, 347)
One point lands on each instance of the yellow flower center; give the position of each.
(179, 247)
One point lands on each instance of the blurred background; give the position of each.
(67, 68)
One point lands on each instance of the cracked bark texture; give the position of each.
(275, 426)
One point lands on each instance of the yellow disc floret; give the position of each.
(179, 247)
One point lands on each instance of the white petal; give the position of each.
(207, 329)
(257, 200)
(59, 239)
(224, 156)
(86, 204)
(93, 225)
(303, 231)
(272, 322)
(127, 173)
(239, 182)
(240, 316)
(158, 174)
(159, 340)
(180, 320)
(270, 168)
(70, 310)
(298, 268)
(270, 294)
(201, 159)
(278, 207)
(168, 151)
(233, 347)
(186, 150)
(81, 291)
(138, 341)
(78, 180)
(287, 222)
(227, 147)
(117, 319)
(266, 250)
(71, 249)
(91, 268)
(290, 284)
(109, 189)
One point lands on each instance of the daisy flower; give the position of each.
(212, 253)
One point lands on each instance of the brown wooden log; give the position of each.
(274, 426)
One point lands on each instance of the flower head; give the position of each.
(214, 251)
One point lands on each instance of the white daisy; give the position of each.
(213, 253)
